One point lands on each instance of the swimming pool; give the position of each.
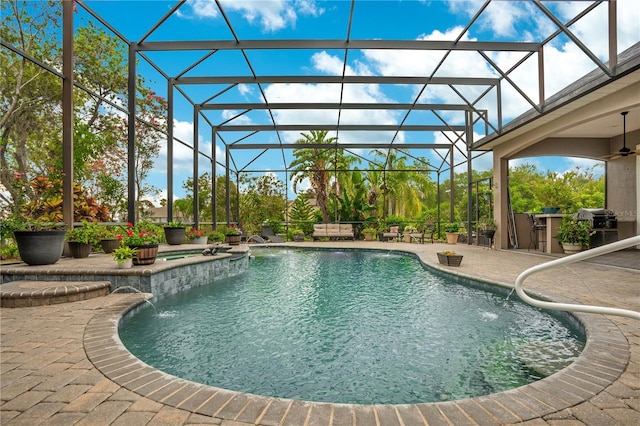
(349, 326)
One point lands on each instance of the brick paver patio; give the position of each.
(63, 364)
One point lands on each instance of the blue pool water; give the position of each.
(349, 327)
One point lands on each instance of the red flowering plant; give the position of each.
(231, 231)
(141, 234)
(194, 233)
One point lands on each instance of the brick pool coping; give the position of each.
(604, 358)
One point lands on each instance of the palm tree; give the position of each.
(402, 187)
(314, 164)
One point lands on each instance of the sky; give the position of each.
(309, 19)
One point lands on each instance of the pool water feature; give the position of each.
(349, 327)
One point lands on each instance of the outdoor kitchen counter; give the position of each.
(553, 227)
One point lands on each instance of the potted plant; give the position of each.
(449, 258)
(369, 233)
(174, 233)
(123, 256)
(196, 236)
(39, 241)
(215, 236)
(298, 234)
(144, 239)
(452, 230)
(232, 236)
(108, 240)
(574, 235)
(82, 238)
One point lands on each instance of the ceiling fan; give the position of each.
(624, 151)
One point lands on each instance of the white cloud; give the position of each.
(204, 9)
(271, 16)
(596, 166)
(245, 90)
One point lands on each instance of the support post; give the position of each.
(227, 195)
(196, 198)
(214, 203)
(170, 149)
(67, 114)
(131, 137)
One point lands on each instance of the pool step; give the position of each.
(25, 293)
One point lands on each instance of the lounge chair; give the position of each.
(392, 234)
(268, 234)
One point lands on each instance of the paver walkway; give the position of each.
(47, 378)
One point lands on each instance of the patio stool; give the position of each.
(535, 239)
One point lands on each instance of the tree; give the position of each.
(314, 164)
(403, 187)
(184, 207)
(221, 197)
(351, 200)
(301, 213)
(30, 98)
(262, 199)
(29, 95)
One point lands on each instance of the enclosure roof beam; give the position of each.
(269, 44)
(337, 79)
(344, 127)
(309, 105)
(342, 146)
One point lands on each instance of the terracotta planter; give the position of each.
(232, 240)
(40, 247)
(108, 246)
(145, 255)
(450, 259)
(80, 250)
(452, 237)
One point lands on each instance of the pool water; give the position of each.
(349, 327)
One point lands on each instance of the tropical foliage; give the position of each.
(315, 164)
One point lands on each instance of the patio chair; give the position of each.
(392, 234)
(534, 233)
(268, 234)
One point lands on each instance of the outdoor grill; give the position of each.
(599, 218)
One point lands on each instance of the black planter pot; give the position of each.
(174, 236)
(40, 247)
(108, 246)
(80, 250)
